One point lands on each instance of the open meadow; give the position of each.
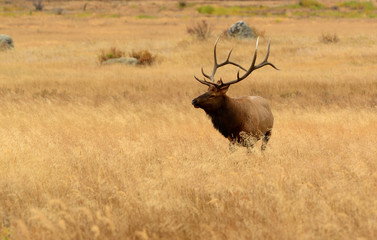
(89, 151)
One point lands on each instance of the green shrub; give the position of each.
(291, 6)
(357, 5)
(314, 4)
(144, 16)
(5, 234)
(206, 9)
(233, 10)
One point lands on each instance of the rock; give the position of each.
(58, 11)
(6, 42)
(240, 30)
(122, 60)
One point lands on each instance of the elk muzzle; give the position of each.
(195, 103)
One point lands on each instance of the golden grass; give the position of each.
(117, 152)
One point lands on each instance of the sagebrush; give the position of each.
(329, 38)
(144, 57)
(201, 30)
(109, 54)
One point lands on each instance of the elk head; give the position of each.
(214, 98)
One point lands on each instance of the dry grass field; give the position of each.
(118, 152)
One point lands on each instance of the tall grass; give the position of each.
(119, 152)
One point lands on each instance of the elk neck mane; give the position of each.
(226, 119)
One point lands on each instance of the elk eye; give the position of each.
(211, 96)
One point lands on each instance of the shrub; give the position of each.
(358, 5)
(145, 16)
(258, 32)
(182, 4)
(206, 9)
(310, 4)
(3, 46)
(108, 54)
(329, 38)
(201, 30)
(144, 57)
(38, 5)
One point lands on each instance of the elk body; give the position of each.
(243, 120)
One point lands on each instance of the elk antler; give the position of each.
(251, 68)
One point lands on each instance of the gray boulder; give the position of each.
(6, 42)
(240, 30)
(122, 60)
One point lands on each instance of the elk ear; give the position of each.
(224, 89)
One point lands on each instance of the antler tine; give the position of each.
(214, 50)
(255, 56)
(230, 62)
(204, 81)
(215, 66)
(252, 66)
(265, 62)
(230, 52)
(205, 75)
(268, 51)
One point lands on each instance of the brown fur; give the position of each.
(242, 120)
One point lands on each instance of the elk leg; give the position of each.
(250, 148)
(265, 140)
(248, 141)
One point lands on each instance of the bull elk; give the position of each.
(243, 120)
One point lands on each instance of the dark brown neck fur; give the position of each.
(225, 119)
